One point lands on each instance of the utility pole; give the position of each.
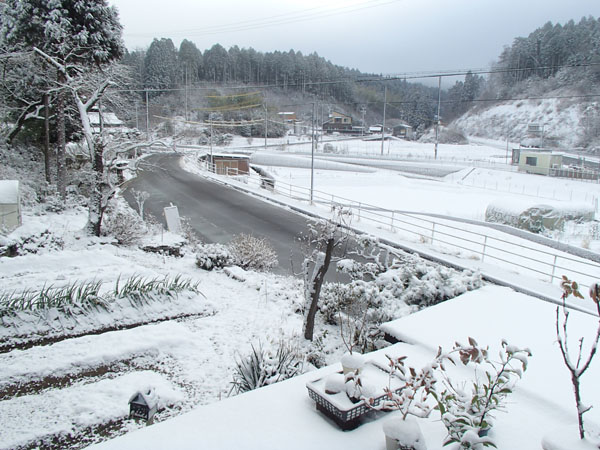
(437, 121)
(266, 124)
(147, 119)
(186, 91)
(211, 142)
(383, 124)
(363, 110)
(312, 155)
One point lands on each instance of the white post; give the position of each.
(484, 248)
(553, 268)
(383, 124)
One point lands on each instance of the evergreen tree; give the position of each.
(160, 65)
(82, 32)
(190, 61)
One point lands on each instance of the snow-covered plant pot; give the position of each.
(403, 434)
(352, 362)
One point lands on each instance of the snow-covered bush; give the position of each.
(408, 284)
(250, 252)
(446, 135)
(124, 224)
(266, 366)
(36, 243)
(213, 256)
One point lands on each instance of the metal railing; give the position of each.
(469, 240)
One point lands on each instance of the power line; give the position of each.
(280, 19)
(371, 78)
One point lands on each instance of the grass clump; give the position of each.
(86, 296)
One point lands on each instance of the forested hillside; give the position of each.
(284, 75)
(551, 78)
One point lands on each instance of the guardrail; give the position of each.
(509, 251)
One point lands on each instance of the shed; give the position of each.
(143, 404)
(539, 162)
(10, 205)
(230, 163)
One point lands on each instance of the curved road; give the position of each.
(215, 212)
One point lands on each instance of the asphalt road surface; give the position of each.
(215, 212)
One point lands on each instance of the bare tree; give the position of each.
(140, 198)
(324, 238)
(578, 366)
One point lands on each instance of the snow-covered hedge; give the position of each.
(408, 285)
(213, 256)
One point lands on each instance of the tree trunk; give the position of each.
(47, 138)
(580, 408)
(61, 169)
(316, 283)
(96, 208)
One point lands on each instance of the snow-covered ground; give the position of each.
(81, 385)
(541, 407)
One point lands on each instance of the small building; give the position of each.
(540, 162)
(10, 206)
(229, 163)
(338, 123)
(110, 122)
(403, 131)
(143, 405)
(287, 116)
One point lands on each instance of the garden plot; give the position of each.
(190, 361)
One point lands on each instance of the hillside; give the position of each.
(568, 122)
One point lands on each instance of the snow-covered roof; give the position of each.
(9, 191)
(109, 119)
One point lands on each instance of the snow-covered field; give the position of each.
(75, 390)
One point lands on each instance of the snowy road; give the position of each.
(216, 212)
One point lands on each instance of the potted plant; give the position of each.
(467, 409)
(403, 432)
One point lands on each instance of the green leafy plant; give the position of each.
(86, 295)
(265, 366)
(467, 409)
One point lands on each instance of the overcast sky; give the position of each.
(374, 36)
